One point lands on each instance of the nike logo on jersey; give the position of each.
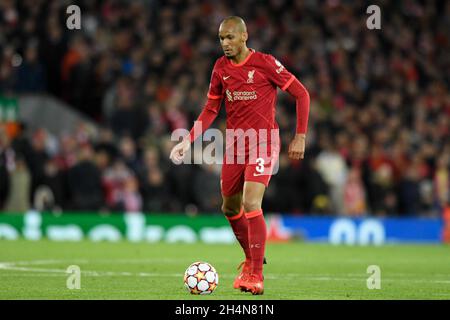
(225, 78)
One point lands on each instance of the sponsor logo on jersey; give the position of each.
(240, 95)
(229, 96)
(244, 95)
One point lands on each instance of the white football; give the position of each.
(201, 278)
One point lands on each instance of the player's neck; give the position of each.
(241, 56)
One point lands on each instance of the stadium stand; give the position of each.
(378, 142)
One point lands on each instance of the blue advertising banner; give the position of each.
(364, 231)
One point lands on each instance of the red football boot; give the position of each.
(254, 284)
(245, 273)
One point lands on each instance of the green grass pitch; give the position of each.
(124, 270)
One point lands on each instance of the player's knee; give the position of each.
(229, 211)
(251, 205)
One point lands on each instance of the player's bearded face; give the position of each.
(231, 42)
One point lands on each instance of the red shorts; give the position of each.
(235, 174)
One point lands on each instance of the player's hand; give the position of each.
(179, 151)
(297, 147)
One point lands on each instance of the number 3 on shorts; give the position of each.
(260, 166)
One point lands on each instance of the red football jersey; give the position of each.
(250, 91)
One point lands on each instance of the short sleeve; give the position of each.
(215, 85)
(277, 73)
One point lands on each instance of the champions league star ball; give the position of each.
(201, 278)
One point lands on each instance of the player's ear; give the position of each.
(244, 36)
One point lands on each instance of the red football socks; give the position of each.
(257, 234)
(239, 224)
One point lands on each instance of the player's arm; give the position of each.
(206, 117)
(204, 120)
(297, 146)
(285, 80)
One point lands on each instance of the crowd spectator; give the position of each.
(85, 182)
(19, 187)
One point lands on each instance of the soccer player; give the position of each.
(248, 80)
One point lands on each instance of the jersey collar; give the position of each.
(243, 62)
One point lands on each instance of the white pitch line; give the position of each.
(13, 266)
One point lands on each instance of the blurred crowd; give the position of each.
(378, 141)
